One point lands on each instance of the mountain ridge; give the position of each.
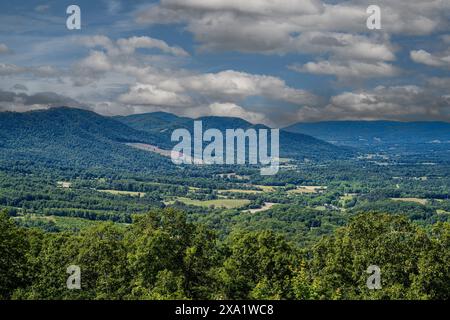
(69, 136)
(292, 145)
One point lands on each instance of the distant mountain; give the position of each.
(69, 137)
(381, 134)
(293, 145)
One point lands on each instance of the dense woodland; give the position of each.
(163, 256)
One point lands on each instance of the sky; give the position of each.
(275, 62)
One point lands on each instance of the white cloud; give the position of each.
(220, 92)
(336, 32)
(391, 103)
(347, 56)
(232, 86)
(97, 61)
(126, 46)
(179, 90)
(38, 71)
(270, 26)
(424, 57)
(120, 56)
(10, 69)
(348, 70)
(151, 95)
(129, 46)
(259, 7)
(233, 110)
(345, 46)
(158, 86)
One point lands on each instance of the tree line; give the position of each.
(162, 255)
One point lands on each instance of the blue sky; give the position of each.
(274, 62)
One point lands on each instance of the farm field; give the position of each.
(218, 203)
(308, 189)
(239, 191)
(265, 207)
(415, 200)
(124, 193)
(59, 223)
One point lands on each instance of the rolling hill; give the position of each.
(67, 137)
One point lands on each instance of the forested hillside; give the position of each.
(292, 145)
(67, 137)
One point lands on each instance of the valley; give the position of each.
(315, 196)
(80, 180)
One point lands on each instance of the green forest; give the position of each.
(163, 256)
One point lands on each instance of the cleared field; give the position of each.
(71, 223)
(308, 189)
(63, 223)
(415, 200)
(218, 203)
(124, 193)
(267, 206)
(64, 184)
(265, 188)
(239, 191)
(150, 148)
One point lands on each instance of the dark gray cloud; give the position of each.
(268, 26)
(46, 71)
(405, 103)
(12, 101)
(19, 87)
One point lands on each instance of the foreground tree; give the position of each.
(163, 256)
(260, 266)
(405, 254)
(168, 252)
(13, 249)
